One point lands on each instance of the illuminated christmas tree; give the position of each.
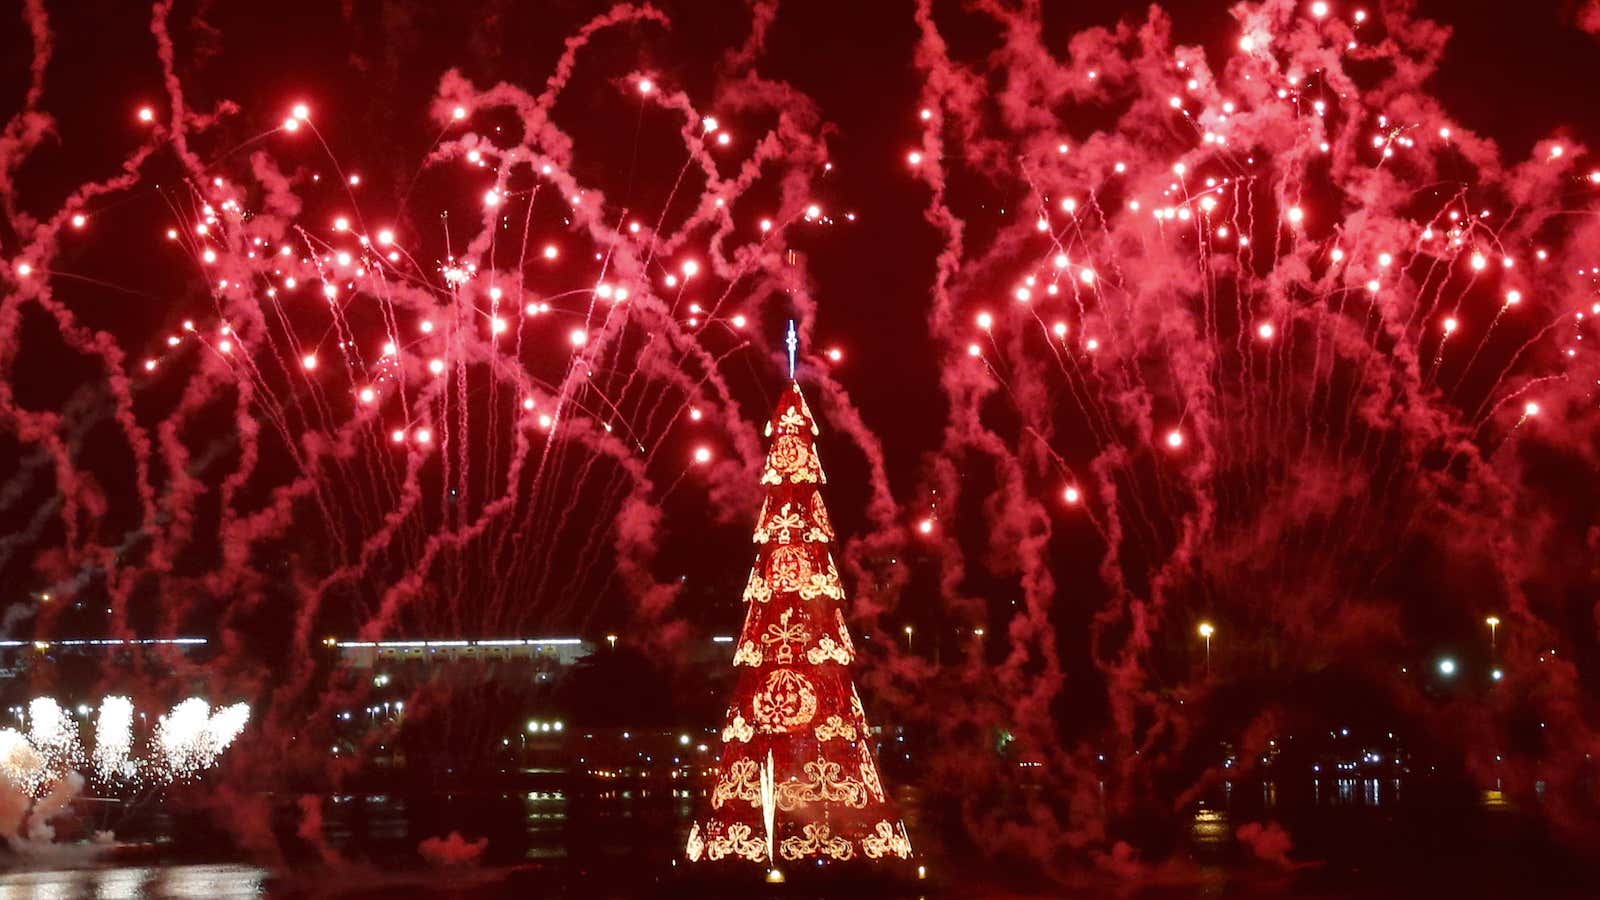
(797, 779)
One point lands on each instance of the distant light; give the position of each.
(146, 114)
(925, 526)
(551, 251)
(1447, 666)
(424, 435)
(646, 85)
(1296, 215)
(1207, 629)
(578, 337)
(702, 455)
(1072, 496)
(302, 111)
(985, 321)
(1319, 9)
(1265, 331)
(309, 362)
(1497, 674)
(1450, 324)
(1174, 439)
(1529, 409)
(835, 354)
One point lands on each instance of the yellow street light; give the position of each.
(1206, 631)
(1493, 622)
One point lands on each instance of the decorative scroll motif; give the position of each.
(822, 584)
(784, 635)
(696, 846)
(789, 569)
(887, 839)
(817, 840)
(787, 702)
(844, 633)
(738, 730)
(793, 421)
(821, 532)
(827, 784)
(757, 591)
(748, 654)
(742, 782)
(783, 523)
(836, 727)
(738, 841)
(869, 773)
(825, 650)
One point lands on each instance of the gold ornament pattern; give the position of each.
(788, 569)
(738, 729)
(886, 839)
(783, 524)
(816, 840)
(742, 782)
(836, 728)
(787, 703)
(821, 530)
(797, 772)
(825, 650)
(821, 584)
(738, 841)
(748, 654)
(784, 635)
(757, 591)
(869, 773)
(827, 784)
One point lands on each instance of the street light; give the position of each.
(908, 637)
(1206, 631)
(1447, 667)
(1493, 622)
(612, 640)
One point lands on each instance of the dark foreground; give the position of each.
(1336, 839)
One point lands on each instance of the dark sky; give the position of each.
(1516, 71)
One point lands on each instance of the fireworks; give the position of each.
(185, 742)
(1284, 327)
(192, 736)
(1260, 327)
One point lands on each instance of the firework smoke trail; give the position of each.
(1235, 327)
(390, 416)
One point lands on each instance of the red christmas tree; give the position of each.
(797, 778)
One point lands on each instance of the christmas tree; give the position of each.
(797, 778)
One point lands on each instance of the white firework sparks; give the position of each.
(191, 737)
(185, 742)
(113, 741)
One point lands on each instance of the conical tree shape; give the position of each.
(797, 778)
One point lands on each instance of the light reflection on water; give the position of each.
(136, 883)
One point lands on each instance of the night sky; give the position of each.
(1347, 526)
